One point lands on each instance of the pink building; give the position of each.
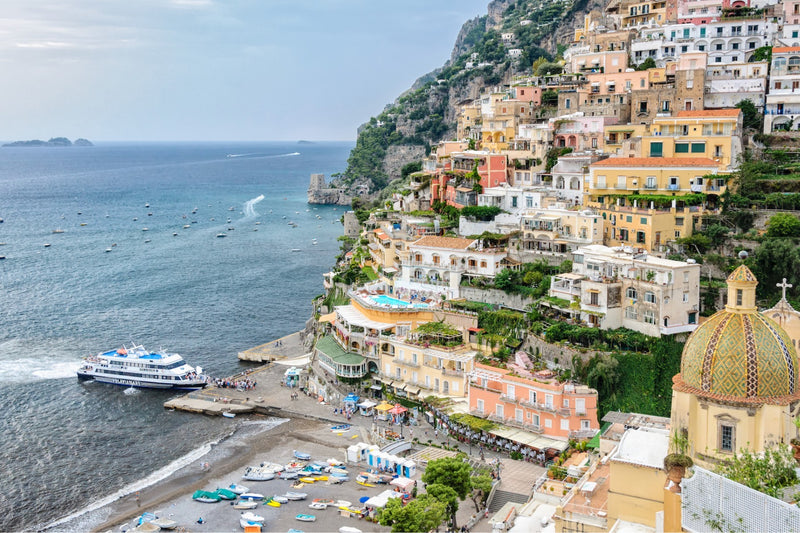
(539, 404)
(528, 94)
(580, 133)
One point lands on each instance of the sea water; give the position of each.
(126, 268)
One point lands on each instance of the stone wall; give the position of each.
(557, 355)
(496, 297)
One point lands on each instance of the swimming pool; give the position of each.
(383, 299)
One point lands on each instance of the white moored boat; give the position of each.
(137, 367)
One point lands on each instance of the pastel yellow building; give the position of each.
(641, 198)
(624, 139)
(419, 364)
(705, 134)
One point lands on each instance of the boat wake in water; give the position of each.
(25, 370)
(249, 206)
(265, 156)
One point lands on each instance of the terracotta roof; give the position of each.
(710, 113)
(656, 162)
(453, 243)
(785, 49)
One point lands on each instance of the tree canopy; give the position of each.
(449, 471)
(424, 513)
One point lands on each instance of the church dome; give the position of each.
(738, 354)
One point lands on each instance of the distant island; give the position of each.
(304, 142)
(55, 141)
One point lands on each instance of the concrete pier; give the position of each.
(287, 347)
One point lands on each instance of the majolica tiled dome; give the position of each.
(738, 353)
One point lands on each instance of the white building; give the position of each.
(618, 288)
(783, 97)
(436, 265)
(559, 230)
(727, 84)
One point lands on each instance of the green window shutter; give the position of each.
(698, 148)
(682, 148)
(656, 149)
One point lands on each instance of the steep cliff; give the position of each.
(425, 114)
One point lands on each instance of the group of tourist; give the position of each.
(238, 384)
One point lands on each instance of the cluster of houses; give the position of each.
(603, 165)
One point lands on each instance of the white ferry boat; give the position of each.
(137, 367)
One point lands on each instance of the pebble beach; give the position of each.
(254, 439)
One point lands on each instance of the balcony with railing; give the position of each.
(406, 362)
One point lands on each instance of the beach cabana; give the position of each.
(383, 410)
(292, 376)
(366, 407)
(350, 402)
(409, 469)
(397, 413)
(405, 484)
(379, 501)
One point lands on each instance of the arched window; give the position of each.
(632, 293)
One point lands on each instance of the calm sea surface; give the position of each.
(65, 445)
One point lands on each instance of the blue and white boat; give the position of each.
(137, 367)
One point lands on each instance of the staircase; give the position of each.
(501, 497)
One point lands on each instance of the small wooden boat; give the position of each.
(251, 496)
(252, 517)
(335, 480)
(164, 523)
(341, 427)
(274, 467)
(302, 456)
(289, 475)
(308, 479)
(318, 505)
(258, 475)
(337, 471)
(250, 525)
(245, 504)
(204, 496)
(342, 503)
(146, 527)
(334, 462)
(322, 478)
(306, 517)
(238, 489)
(349, 529)
(228, 414)
(364, 483)
(226, 494)
(326, 501)
(280, 499)
(296, 495)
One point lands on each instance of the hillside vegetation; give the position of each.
(426, 114)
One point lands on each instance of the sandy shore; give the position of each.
(171, 498)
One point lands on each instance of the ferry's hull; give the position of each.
(140, 384)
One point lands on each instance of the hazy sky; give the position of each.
(150, 70)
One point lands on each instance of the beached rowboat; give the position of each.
(238, 489)
(302, 456)
(252, 517)
(251, 496)
(318, 505)
(204, 496)
(245, 504)
(306, 517)
(296, 495)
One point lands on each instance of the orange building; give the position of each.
(539, 403)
